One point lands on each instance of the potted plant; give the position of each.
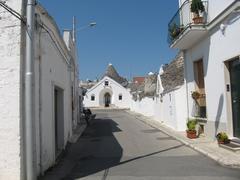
(195, 95)
(174, 31)
(197, 7)
(222, 138)
(191, 129)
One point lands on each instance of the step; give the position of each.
(234, 146)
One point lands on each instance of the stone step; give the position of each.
(234, 146)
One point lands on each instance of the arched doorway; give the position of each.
(107, 99)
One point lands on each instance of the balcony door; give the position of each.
(200, 88)
(235, 93)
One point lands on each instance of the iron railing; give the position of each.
(183, 19)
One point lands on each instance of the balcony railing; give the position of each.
(184, 19)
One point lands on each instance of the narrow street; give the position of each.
(117, 146)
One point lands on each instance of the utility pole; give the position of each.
(29, 80)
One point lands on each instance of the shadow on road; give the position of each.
(101, 150)
(97, 150)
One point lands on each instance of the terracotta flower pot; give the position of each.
(191, 134)
(198, 20)
(223, 142)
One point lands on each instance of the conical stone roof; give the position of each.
(112, 73)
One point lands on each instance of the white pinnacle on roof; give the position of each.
(150, 73)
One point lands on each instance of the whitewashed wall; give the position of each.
(68, 39)
(114, 88)
(145, 106)
(51, 69)
(158, 114)
(10, 93)
(172, 110)
(217, 6)
(214, 50)
(181, 108)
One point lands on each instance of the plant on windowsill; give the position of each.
(222, 138)
(174, 31)
(197, 7)
(195, 95)
(191, 129)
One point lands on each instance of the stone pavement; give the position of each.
(203, 145)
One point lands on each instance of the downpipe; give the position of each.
(29, 92)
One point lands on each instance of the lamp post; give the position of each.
(75, 69)
(74, 30)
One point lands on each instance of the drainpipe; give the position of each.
(29, 79)
(186, 83)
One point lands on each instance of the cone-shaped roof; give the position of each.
(112, 73)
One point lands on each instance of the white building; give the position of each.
(212, 68)
(55, 92)
(171, 95)
(109, 91)
(144, 96)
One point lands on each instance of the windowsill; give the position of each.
(201, 119)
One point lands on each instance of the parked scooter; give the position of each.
(88, 115)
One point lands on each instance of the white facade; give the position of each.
(173, 109)
(145, 106)
(217, 49)
(96, 96)
(53, 87)
(11, 154)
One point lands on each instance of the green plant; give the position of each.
(191, 124)
(222, 137)
(197, 6)
(195, 95)
(174, 30)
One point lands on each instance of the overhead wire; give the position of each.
(12, 11)
(56, 43)
(44, 26)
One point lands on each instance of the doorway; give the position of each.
(58, 120)
(107, 99)
(235, 93)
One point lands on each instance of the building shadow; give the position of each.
(96, 151)
(219, 114)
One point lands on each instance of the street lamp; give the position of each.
(92, 24)
(74, 35)
(74, 30)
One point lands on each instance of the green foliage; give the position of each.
(222, 136)
(191, 124)
(195, 95)
(174, 30)
(197, 6)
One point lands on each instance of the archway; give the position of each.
(107, 99)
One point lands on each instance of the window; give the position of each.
(120, 97)
(93, 97)
(200, 110)
(199, 75)
(106, 83)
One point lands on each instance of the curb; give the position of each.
(151, 123)
(78, 132)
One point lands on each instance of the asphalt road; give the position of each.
(117, 146)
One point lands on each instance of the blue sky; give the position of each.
(130, 34)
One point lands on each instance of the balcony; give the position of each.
(184, 29)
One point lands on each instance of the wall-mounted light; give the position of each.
(223, 28)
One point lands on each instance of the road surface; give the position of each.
(117, 146)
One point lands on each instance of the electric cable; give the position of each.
(12, 11)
